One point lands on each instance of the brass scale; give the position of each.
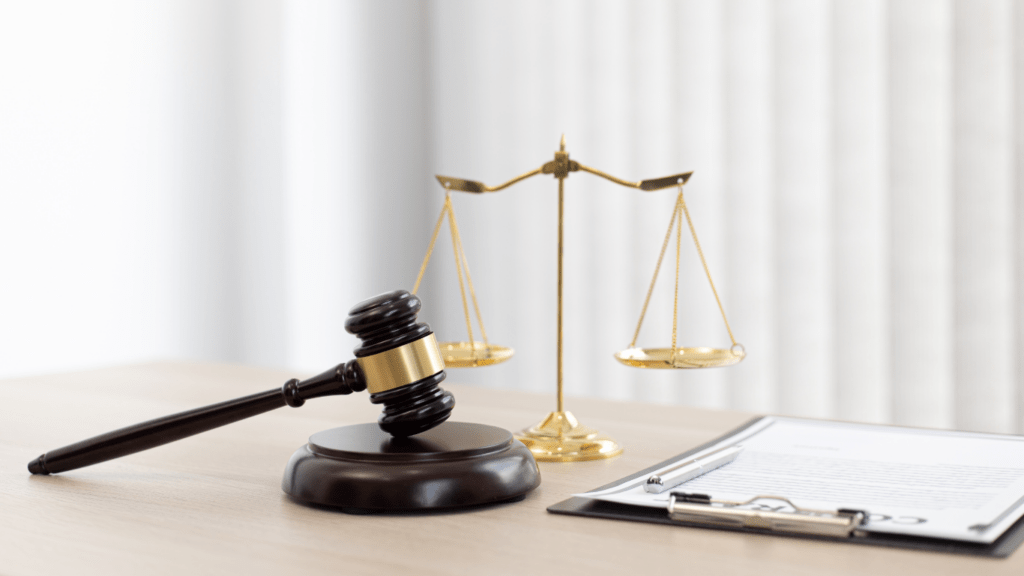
(560, 437)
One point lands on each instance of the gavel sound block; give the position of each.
(361, 469)
(413, 459)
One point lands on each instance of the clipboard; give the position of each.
(1002, 547)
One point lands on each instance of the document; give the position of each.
(942, 484)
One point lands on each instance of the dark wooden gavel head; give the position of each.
(399, 363)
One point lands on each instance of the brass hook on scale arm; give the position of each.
(560, 437)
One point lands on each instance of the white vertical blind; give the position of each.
(983, 219)
(860, 211)
(260, 289)
(748, 170)
(613, 280)
(697, 142)
(920, 36)
(656, 68)
(224, 180)
(324, 151)
(355, 163)
(1018, 207)
(802, 208)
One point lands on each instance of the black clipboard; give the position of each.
(1000, 548)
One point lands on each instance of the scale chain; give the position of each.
(469, 279)
(704, 262)
(680, 208)
(458, 270)
(675, 294)
(657, 268)
(461, 264)
(430, 248)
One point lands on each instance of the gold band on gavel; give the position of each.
(403, 365)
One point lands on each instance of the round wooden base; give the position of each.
(361, 468)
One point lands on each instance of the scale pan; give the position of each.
(473, 354)
(698, 357)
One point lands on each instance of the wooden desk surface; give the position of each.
(213, 503)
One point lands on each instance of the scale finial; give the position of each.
(561, 146)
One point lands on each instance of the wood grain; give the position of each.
(213, 503)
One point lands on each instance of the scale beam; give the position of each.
(460, 185)
(649, 185)
(560, 168)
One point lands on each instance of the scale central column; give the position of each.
(560, 437)
(561, 253)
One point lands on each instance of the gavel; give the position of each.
(398, 362)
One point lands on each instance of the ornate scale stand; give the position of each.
(560, 437)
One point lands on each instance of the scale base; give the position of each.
(362, 469)
(561, 438)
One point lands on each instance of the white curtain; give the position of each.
(224, 180)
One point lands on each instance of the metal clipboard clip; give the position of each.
(703, 510)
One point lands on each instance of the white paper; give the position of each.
(955, 485)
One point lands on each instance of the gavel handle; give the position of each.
(343, 379)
